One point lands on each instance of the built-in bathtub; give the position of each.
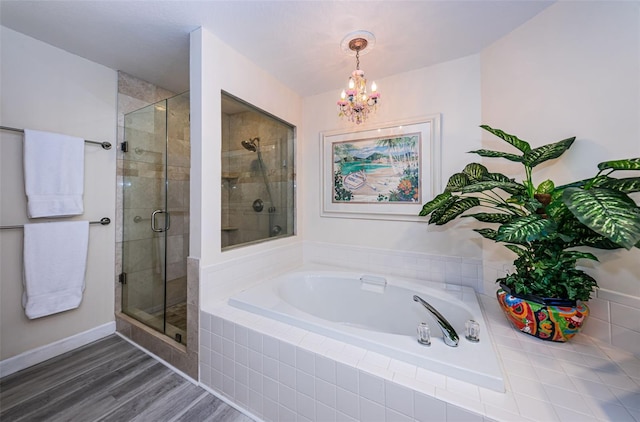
(382, 318)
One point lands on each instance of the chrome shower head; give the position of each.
(251, 144)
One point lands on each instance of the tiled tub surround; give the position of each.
(280, 373)
(414, 265)
(587, 378)
(379, 314)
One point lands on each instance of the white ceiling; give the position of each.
(298, 42)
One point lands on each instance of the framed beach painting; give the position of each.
(382, 172)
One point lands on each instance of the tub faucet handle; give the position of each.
(449, 335)
(424, 334)
(472, 331)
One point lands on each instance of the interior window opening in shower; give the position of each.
(257, 175)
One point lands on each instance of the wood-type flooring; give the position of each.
(108, 380)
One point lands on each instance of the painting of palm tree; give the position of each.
(377, 170)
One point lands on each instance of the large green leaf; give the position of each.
(435, 203)
(486, 217)
(545, 187)
(457, 182)
(499, 177)
(437, 214)
(575, 255)
(497, 154)
(524, 200)
(597, 181)
(626, 185)
(511, 139)
(525, 229)
(546, 152)
(475, 171)
(513, 186)
(453, 210)
(490, 184)
(577, 184)
(487, 233)
(577, 234)
(627, 164)
(557, 210)
(596, 241)
(607, 212)
(516, 249)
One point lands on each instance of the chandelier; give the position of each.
(355, 103)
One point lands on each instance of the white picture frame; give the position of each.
(371, 173)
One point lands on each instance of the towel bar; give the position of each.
(103, 221)
(104, 145)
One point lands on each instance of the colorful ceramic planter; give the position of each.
(545, 321)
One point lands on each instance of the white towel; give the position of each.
(53, 174)
(55, 260)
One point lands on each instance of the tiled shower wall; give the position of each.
(179, 166)
(134, 94)
(243, 181)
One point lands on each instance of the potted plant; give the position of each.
(547, 227)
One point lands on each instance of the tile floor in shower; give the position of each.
(176, 316)
(176, 322)
(176, 311)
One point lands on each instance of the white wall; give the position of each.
(452, 89)
(48, 89)
(216, 67)
(573, 70)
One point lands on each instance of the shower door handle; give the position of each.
(153, 221)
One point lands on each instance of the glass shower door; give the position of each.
(145, 216)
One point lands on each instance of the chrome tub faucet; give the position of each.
(450, 336)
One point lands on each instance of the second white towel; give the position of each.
(55, 261)
(53, 174)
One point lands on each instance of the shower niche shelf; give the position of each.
(230, 175)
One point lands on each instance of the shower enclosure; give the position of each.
(156, 215)
(257, 175)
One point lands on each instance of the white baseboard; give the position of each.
(40, 354)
